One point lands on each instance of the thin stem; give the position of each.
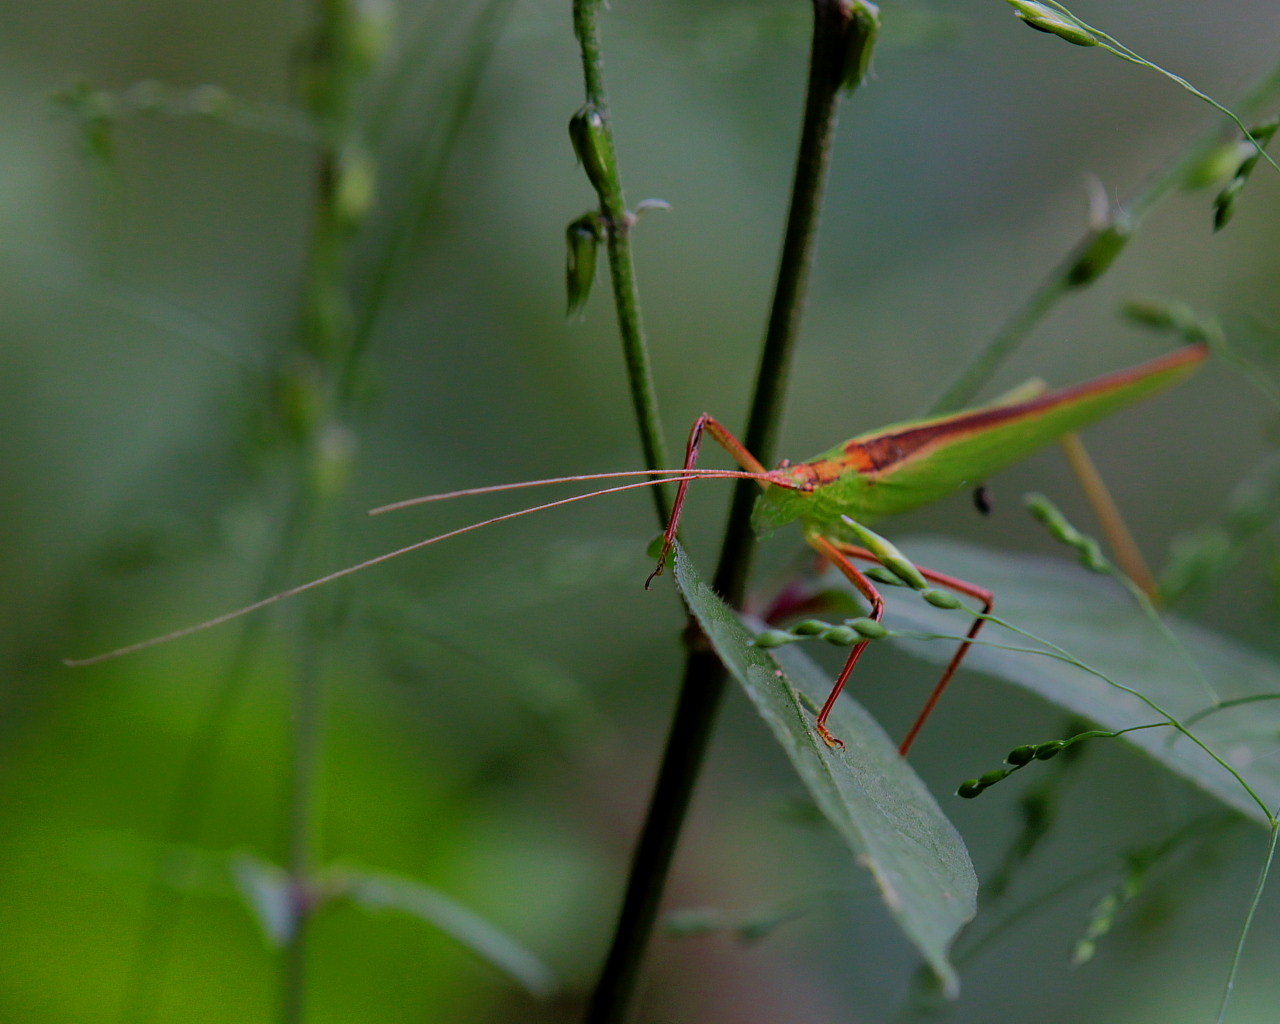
(191, 794)
(1059, 283)
(617, 225)
(1230, 986)
(425, 179)
(306, 760)
(1056, 652)
(704, 676)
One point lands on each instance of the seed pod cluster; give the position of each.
(1020, 757)
(1048, 514)
(845, 634)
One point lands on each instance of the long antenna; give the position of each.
(669, 476)
(301, 588)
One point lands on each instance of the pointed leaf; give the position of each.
(870, 794)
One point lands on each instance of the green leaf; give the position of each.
(382, 892)
(1094, 619)
(870, 794)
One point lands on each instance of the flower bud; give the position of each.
(582, 245)
(1044, 18)
(868, 629)
(940, 598)
(1020, 756)
(590, 137)
(888, 555)
(773, 638)
(882, 575)
(841, 636)
(859, 40)
(1224, 205)
(1098, 253)
(969, 789)
(810, 627)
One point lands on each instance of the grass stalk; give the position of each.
(617, 221)
(704, 677)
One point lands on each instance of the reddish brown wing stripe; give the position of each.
(878, 454)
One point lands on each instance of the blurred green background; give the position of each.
(495, 706)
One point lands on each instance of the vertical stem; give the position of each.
(704, 676)
(617, 224)
(324, 358)
(308, 721)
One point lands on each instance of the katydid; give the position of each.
(832, 496)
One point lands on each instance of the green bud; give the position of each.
(1224, 206)
(868, 629)
(860, 35)
(940, 598)
(1043, 18)
(1098, 253)
(888, 555)
(1219, 164)
(1019, 756)
(1050, 750)
(1261, 135)
(582, 245)
(810, 627)
(993, 776)
(841, 636)
(590, 137)
(969, 789)
(356, 185)
(1091, 556)
(774, 638)
(1159, 316)
(1052, 519)
(882, 575)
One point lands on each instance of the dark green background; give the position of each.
(496, 704)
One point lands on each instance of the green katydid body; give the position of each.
(878, 474)
(904, 466)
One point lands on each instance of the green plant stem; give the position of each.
(308, 722)
(324, 343)
(191, 794)
(1057, 284)
(704, 677)
(1258, 890)
(617, 221)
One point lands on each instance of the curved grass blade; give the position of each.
(388, 892)
(870, 794)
